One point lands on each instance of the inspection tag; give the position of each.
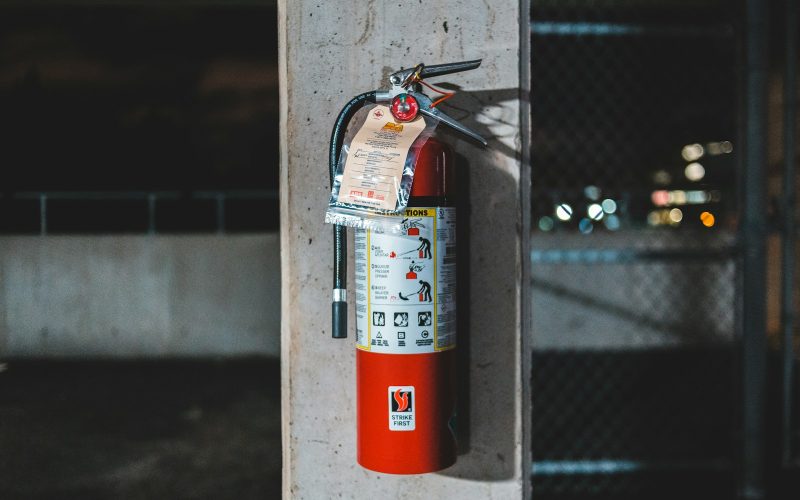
(374, 166)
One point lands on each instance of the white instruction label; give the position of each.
(406, 285)
(402, 405)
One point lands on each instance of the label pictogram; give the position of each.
(413, 269)
(424, 318)
(401, 319)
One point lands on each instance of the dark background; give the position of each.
(107, 107)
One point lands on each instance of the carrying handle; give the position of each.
(448, 68)
(403, 77)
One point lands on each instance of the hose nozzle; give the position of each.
(339, 314)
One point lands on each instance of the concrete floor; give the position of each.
(130, 430)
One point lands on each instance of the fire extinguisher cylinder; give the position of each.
(406, 297)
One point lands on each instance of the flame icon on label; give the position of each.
(402, 400)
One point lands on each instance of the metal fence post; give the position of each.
(754, 251)
(788, 251)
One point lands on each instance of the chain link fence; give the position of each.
(635, 118)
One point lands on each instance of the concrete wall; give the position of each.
(331, 51)
(139, 296)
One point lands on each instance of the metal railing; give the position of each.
(150, 201)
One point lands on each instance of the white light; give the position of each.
(653, 218)
(726, 147)
(595, 211)
(609, 206)
(675, 215)
(564, 212)
(694, 171)
(692, 152)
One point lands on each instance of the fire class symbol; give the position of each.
(401, 319)
(378, 319)
(424, 318)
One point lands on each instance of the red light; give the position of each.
(404, 108)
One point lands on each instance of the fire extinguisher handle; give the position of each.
(435, 70)
(426, 108)
(403, 77)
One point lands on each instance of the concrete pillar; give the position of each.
(330, 51)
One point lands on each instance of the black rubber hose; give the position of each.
(339, 307)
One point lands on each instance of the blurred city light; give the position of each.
(585, 226)
(719, 148)
(595, 211)
(546, 223)
(665, 217)
(592, 192)
(677, 198)
(660, 198)
(564, 212)
(692, 152)
(694, 171)
(612, 222)
(707, 218)
(609, 206)
(663, 198)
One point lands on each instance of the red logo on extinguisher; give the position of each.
(401, 408)
(402, 401)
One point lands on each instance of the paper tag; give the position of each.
(375, 161)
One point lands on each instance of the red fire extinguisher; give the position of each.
(405, 297)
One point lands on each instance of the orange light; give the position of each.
(707, 218)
